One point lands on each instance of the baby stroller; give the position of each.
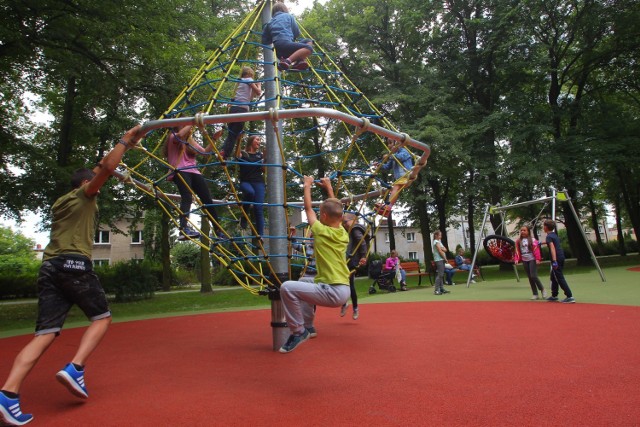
(384, 280)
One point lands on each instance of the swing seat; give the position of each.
(500, 248)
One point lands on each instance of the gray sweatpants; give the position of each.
(298, 299)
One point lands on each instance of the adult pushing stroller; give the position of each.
(383, 279)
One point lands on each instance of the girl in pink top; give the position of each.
(181, 150)
(392, 263)
(528, 251)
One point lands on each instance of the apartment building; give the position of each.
(110, 247)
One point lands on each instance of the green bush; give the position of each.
(182, 277)
(221, 276)
(186, 255)
(18, 285)
(18, 278)
(130, 280)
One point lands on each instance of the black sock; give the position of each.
(78, 367)
(9, 394)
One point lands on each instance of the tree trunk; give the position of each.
(622, 250)
(631, 201)
(165, 252)
(392, 237)
(595, 227)
(205, 264)
(471, 228)
(425, 230)
(576, 241)
(440, 196)
(65, 146)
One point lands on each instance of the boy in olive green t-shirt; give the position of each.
(66, 278)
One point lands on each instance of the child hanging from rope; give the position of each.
(282, 31)
(331, 287)
(180, 150)
(246, 90)
(401, 161)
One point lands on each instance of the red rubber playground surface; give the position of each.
(429, 363)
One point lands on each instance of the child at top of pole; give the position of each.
(282, 31)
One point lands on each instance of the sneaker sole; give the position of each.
(66, 380)
(7, 418)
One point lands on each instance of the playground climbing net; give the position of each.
(332, 130)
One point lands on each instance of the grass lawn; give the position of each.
(621, 287)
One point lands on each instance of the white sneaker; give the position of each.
(535, 297)
(356, 314)
(473, 280)
(343, 310)
(544, 293)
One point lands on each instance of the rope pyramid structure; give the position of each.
(316, 122)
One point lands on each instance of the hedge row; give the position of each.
(127, 281)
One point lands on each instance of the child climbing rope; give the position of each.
(180, 150)
(401, 161)
(246, 90)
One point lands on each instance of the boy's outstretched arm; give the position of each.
(308, 209)
(109, 163)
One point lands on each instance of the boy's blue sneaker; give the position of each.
(10, 412)
(73, 380)
(312, 332)
(294, 341)
(569, 300)
(552, 299)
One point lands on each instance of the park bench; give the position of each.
(412, 268)
(432, 272)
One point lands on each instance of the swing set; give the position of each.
(502, 248)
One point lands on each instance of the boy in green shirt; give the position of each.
(331, 287)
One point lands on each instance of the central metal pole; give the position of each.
(275, 194)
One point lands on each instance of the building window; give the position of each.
(102, 237)
(411, 237)
(386, 237)
(100, 262)
(413, 255)
(136, 237)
